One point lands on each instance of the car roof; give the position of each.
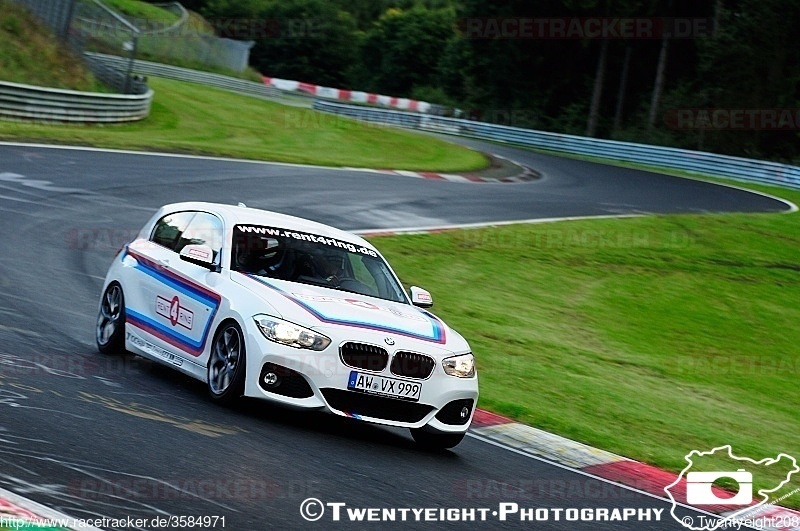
(242, 215)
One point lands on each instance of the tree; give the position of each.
(749, 64)
(424, 48)
(306, 40)
(623, 88)
(597, 93)
(403, 49)
(658, 85)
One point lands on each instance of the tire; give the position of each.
(436, 441)
(110, 329)
(227, 364)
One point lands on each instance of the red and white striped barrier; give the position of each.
(347, 95)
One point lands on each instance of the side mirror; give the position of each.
(420, 297)
(201, 255)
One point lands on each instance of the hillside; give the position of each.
(142, 10)
(30, 54)
(167, 38)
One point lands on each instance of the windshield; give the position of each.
(312, 259)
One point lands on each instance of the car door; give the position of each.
(194, 301)
(170, 304)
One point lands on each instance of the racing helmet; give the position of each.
(260, 254)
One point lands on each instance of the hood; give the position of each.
(320, 308)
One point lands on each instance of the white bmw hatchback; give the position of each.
(266, 305)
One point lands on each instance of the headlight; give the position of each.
(462, 366)
(289, 334)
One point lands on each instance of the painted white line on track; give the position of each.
(50, 513)
(793, 207)
(405, 173)
(21, 331)
(484, 224)
(180, 156)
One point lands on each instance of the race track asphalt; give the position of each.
(96, 436)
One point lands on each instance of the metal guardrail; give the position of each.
(742, 169)
(240, 86)
(117, 80)
(40, 104)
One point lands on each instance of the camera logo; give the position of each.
(699, 488)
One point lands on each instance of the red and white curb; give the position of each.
(526, 175)
(17, 512)
(606, 465)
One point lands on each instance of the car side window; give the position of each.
(203, 229)
(168, 230)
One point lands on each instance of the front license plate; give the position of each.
(378, 385)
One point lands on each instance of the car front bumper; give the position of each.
(319, 380)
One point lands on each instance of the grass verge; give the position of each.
(30, 54)
(191, 118)
(648, 337)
